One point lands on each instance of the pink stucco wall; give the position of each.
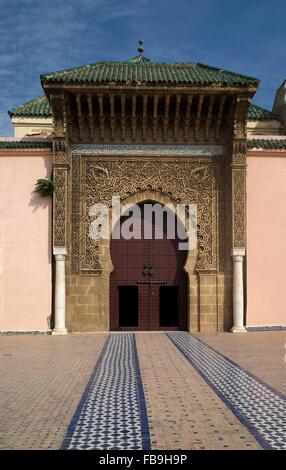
(25, 243)
(266, 238)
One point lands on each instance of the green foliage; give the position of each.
(45, 187)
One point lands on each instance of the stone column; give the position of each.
(60, 292)
(238, 296)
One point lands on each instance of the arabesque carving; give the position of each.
(239, 160)
(186, 182)
(239, 201)
(59, 225)
(60, 153)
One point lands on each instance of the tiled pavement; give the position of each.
(111, 414)
(184, 412)
(259, 407)
(47, 381)
(42, 379)
(262, 353)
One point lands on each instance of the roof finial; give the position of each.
(141, 48)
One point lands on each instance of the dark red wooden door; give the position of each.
(148, 285)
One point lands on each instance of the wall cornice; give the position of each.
(152, 150)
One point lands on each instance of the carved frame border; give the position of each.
(86, 260)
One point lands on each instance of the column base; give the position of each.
(59, 332)
(238, 329)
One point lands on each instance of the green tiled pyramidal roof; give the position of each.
(142, 69)
(270, 144)
(256, 113)
(37, 107)
(41, 107)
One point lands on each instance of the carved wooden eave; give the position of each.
(177, 115)
(122, 98)
(187, 116)
(57, 101)
(90, 116)
(112, 116)
(101, 115)
(117, 113)
(79, 114)
(209, 117)
(144, 117)
(215, 87)
(61, 125)
(134, 124)
(219, 116)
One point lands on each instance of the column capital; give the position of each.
(60, 250)
(238, 252)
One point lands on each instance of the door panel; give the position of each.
(128, 306)
(144, 308)
(169, 306)
(159, 304)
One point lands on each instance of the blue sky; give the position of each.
(38, 36)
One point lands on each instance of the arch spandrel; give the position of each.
(186, 181)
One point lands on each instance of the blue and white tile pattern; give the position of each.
(257, 405)
(112, 412)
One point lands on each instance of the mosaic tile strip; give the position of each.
(152, 150)
(112, 413)
(23, 333)
(258, 406)
(265, 328)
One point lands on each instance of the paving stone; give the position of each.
(262, 353)
(41, 383)
(43, 378)
(259, 407)
(184, 412)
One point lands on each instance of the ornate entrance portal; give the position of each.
(148, 288)
(147, 131)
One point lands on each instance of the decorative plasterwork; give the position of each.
(152, 150)
(238, 172)
(60, 207)
(182, 180)
(239, 207)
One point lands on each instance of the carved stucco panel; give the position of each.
(59, 216)
(96, 180)
(239, 207)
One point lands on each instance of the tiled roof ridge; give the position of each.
(221, 69)
(150, 72)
